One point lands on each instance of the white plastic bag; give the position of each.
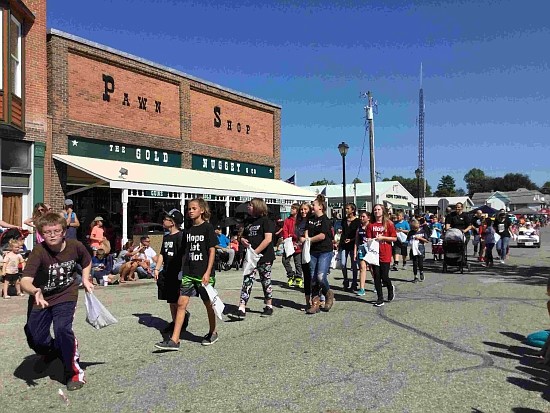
(288, 246)
(373, 250)
(306, 257)
(497, 238)
(96, 313)
(335, 263)
(217, 303)
(402, 237)
(250, 261)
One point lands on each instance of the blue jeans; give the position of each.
(502, 246)
(319, 267)
(344, 254)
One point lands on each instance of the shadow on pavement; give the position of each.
(159, 324)
(27, 370)
(529, 364)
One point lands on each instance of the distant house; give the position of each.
(391, 194)
(496, 200)
(432, 203)
(527, 198)
(512, 200)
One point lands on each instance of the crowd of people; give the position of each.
(185, 266)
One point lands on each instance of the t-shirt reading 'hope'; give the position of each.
(198, 241)
(54, 272)
(172, 254)
(254, 231)
(374, 229)
(317, 225)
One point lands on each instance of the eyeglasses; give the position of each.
(54, 232)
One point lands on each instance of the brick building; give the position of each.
(131, 138)
(23, 107)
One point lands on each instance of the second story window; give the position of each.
(15, 56)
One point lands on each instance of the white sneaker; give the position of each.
(502, 261)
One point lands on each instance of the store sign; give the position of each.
(156, 194)
(121, 152)
(141, 101)
(225, 166)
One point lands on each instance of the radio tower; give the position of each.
(421, 176)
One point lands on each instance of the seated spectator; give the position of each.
(133, 259)
(123, 257)
(148, 258)
(102, 264)
(234, 244)
(223, 245)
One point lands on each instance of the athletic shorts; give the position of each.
(400, 248)
(11, 278)
(168, 288)
(192, 287)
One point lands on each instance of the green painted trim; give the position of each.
(226, 166)
(38, 176)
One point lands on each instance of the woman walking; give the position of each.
(301, 223)
(258, 234)
(346, 246)
(382, 230)
(319, 232)
(360, 251)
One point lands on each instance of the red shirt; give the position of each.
(385, 253)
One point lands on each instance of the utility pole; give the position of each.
(370, 120)
(421, 167)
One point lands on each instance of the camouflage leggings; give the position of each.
(264, 270)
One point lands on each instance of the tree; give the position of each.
(513, 181)
(460, 192)
(476, 181)
(446, 186)
(410, 184)
(357, 181)
(323, 181)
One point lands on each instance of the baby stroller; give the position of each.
(454, 250)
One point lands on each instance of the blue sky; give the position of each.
(486, 74)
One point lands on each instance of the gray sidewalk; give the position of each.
(449, 344)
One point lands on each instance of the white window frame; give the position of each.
(17, 88)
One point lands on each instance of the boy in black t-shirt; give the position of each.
(49, 276)
(170, 261)
(198, 271)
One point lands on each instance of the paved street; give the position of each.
(450, 344)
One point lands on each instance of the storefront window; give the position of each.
(15, 56)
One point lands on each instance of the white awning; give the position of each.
(164, 178)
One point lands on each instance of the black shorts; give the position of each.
(400, 248)
(11, 278)
(168, 288)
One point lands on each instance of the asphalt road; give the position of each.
(450, 344)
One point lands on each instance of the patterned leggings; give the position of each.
(264, 270)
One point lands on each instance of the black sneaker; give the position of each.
(394, 268)
(209, 339)
(379, 303)
(74, 385)
(421, 276)
(415, 280)
(268, 311)
(238, 315)
(391, 294)
(168, 345)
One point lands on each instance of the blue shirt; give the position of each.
(223, 241)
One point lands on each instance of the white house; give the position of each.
(391, 194)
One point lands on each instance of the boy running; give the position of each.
(49, 276)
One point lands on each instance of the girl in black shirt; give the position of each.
(319, 232)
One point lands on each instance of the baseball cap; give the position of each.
(176, 216)
(98, 219)
(68, 202)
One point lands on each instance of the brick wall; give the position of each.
(65, 57)
(36, 80)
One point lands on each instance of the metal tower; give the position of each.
(421, 177)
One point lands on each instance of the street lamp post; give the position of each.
(417, 173)
(343, 149)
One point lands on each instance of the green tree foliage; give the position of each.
(323, 181)
(446, 186)
(410, 184)
(460, 192)
(477, 181)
